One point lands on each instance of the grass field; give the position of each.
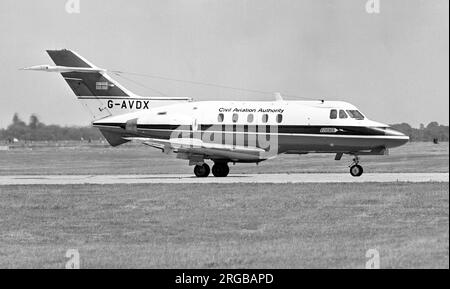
(413, 157)
(221, 226)
(231, 226)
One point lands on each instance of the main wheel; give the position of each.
(201, 171)
(356, 170)
(220, 170)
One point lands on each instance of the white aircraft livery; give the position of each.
(222, 131)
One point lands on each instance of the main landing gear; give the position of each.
(355, 169)
(202, 171)
(219, 170)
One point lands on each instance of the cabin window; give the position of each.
(355, 114)
(342, 114)
(235, 117)
(250, 118)
(333, 114)
(279, 118)
(220, 117)
(265, 118)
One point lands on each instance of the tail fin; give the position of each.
(101, 95)
(86, 84)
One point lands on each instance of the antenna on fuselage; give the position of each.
(278, 96)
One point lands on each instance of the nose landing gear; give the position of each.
(355, 169)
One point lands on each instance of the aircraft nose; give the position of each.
(398, 138)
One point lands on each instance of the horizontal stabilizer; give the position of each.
(61, 69)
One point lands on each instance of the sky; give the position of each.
(393, 65)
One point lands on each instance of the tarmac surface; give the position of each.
(231, 179)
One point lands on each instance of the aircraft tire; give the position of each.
(220, 170)
(356, 170)
(202, 171)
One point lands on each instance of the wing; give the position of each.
(193, 149)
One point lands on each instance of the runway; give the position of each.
(232, 179)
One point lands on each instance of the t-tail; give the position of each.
(100, 94)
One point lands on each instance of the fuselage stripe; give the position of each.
(282, 130)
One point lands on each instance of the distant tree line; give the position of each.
(433, 131)
(37, 131)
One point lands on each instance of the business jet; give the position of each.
(223, 132)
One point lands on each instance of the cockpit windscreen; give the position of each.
(355, 114)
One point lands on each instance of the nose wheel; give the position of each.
(202, 171)
(355, 169)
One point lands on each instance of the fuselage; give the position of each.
(293, 126)
(221, 131)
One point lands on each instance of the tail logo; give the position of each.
(103, 85)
